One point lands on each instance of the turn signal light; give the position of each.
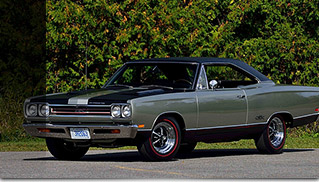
(44, 130)
(115, 131)
(317, 109)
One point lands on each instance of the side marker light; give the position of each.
(141, 126)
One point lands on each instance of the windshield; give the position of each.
(169, 75)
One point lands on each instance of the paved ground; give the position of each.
(123, 164)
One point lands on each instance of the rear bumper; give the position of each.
(96, 131)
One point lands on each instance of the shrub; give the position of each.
(278, 38)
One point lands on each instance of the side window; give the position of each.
(202, 81)
(228, 76)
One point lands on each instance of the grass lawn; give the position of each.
(291, 142)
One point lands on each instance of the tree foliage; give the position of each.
(22, 62)
(278, 38)
(22, 48)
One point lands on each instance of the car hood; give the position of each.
(104, 96)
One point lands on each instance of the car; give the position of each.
(164, 106)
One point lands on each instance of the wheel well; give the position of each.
(179, 120)
(287, 118)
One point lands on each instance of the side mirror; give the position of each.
(213, 84)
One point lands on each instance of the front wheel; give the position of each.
(164, 141)
(273, 138)
(63, 150)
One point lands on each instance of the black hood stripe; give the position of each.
(84, 98)
(105, 96)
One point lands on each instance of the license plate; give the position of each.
(80, 133)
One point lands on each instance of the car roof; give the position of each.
(207, 60)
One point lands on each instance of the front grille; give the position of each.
(80, 110)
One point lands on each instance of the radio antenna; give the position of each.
(86, 62)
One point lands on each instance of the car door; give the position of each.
(226, 104)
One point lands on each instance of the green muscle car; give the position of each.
(166, 105)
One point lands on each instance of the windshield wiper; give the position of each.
(121, 85)
(156, 86)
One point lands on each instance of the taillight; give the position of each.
(317, 109)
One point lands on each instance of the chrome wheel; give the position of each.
(163, 142)
(163, 138)
(276, 131)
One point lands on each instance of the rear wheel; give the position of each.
(273, 138)
(163, 142)
(63, 150)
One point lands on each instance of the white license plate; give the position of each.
(80, 133)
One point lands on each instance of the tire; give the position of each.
(273, 138)
(187, 148)
(164, 141)
(65, 150)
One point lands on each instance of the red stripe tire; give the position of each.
(164, 141)
(273, 138)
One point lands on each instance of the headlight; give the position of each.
(126, 111)
(31, 110)
(121, 111)
(44, 110)
(116, 111)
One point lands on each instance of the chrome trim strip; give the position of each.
(144, 130)
(75, 111)
(226, 89)
(83, 113)
(230, 126)
(77, 105)
(205, 75)
(70, 116)
(197, 110)
(247, 109)
(166, 112)
(114, 75)
(279, 112)
(307, 115)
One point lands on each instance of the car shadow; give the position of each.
(134, 156)
(228, 152)
(131, 156)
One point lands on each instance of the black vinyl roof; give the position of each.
(207, 60)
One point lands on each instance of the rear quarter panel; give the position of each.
(267, 99)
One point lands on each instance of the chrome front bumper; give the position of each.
(96, 131)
